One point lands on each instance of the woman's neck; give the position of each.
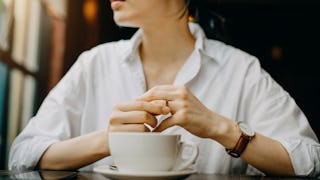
(166, 42)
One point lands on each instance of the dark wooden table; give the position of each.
(48, 175)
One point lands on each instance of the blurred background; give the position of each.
(41, 39)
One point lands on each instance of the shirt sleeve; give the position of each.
(275, 114)
(57, 119)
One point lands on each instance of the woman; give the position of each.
(169, 66)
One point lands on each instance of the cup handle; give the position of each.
(181, 163)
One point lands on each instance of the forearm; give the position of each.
(269, 156)
(77, 152)
(264, 153)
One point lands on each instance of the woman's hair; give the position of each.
(212, 23)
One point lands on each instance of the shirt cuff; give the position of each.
(30, 153)
(301, 156)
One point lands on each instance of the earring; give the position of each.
(191, 18)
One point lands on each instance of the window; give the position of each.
(30, 60)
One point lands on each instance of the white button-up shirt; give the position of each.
(225, 79)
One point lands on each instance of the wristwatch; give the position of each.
(246, 136)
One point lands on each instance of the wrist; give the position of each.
(102, 143)
(226, 132)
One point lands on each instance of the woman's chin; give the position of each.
(125, 22)
(126, 25)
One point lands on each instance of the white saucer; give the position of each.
(147, 175)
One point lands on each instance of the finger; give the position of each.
(155, 94)
(173, 106)
(164, 104)
(133, 117)
(129, 128)
(140, 117)
(179, 105)
(159, 102)
(170, 122)
(165, 87)
(153, 108)
(165, 92)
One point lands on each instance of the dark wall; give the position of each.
(285, 38)
(109, 31)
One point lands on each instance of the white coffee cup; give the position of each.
(132, 151)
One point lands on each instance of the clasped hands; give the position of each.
(187, 112)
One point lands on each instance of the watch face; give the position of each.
(246, 129)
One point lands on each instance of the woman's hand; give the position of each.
(132, 116)
(187, 111)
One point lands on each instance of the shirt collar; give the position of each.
(202, 45)
(131, 51)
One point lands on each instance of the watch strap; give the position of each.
(241, 144)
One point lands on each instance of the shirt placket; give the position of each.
(138, 74)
